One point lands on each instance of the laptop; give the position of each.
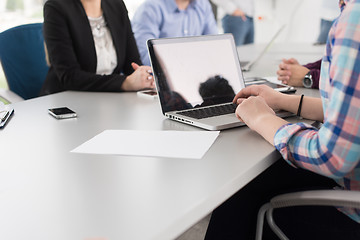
(246, 66)
(197, 78)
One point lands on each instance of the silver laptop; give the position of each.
(197, 78)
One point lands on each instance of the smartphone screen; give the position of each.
(62, 112)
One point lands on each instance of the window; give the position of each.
(18, 12)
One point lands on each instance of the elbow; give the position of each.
(336, 167)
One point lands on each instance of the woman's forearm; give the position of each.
(268, 130)
(311, 107)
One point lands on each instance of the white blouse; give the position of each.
(105, 50)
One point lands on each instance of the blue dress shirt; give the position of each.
(163, 18)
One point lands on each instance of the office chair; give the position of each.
(335, 198)
(22, 56)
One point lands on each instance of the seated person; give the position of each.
(324, 158)
(171, 18)
(91, 47)
(294, 74)
(291, 72)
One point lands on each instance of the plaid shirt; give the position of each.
(334, 149)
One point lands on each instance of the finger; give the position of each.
(284, 60)
(284, 81)
(238, 117)
(280, 72)
(293, 61)
(134, 66)
(283, 78)
(237, 114)
(283, 73)
(282, 66)
(147, 68)
(246, 92)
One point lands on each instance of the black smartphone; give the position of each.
(62, 113)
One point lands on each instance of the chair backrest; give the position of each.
(22, 56)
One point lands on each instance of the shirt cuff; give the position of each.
(283, 137)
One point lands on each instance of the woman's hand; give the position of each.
(291, 72)
(141, 78)
(253, 111)
(239, 13)
(256, 104)
(272, 98)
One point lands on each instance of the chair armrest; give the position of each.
(336, 198)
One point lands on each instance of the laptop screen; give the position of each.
(195, 71)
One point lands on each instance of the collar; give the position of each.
(174, 8)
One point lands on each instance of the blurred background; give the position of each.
(302, 19)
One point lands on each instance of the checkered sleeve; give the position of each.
(334, 150)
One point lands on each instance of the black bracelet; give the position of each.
(300, 104)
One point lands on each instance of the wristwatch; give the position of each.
(308, 81)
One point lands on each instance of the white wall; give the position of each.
(131, 6)
(302, 19)
(301, 16)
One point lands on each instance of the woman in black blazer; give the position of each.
(73, 50)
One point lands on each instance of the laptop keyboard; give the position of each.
(210, 111)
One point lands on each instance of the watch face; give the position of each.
(307, 82)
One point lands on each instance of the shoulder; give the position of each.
(348, 23)
(117, 5)
(62, 4)
(150, 8)
(154, 4)
(203, 7)
(351, 11)
(65, 7)
(204, 4)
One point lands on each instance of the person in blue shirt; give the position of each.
(239, 19)
(171, 18)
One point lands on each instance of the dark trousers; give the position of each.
(243, 31)
(236, 218)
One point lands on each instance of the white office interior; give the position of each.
(301, 19)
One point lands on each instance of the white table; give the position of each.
(46, 192)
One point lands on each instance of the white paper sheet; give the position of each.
(173, 144)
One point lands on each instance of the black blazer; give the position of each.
(71, 47)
